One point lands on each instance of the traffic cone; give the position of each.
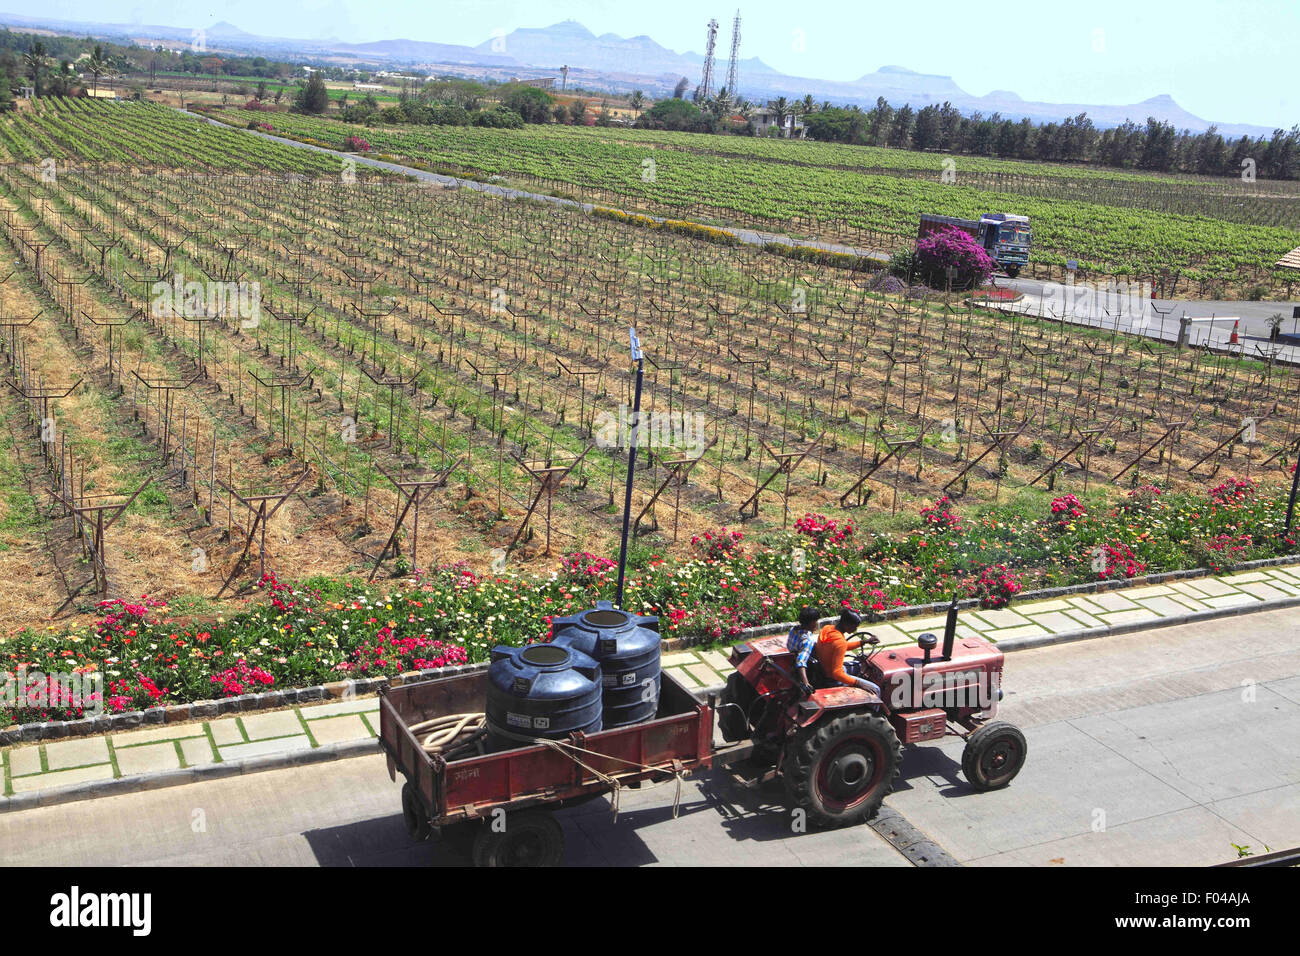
(1232, 339)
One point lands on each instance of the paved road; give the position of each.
(348, 814)
(1146, 737)
(1173, 743)
(1212, 322)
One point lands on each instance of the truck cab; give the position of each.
(1007, 239)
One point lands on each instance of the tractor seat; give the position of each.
(817, 676)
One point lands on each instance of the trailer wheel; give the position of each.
(1013, 271)
(993, 756)
(417, 821)
(839, 770)
(530, 838)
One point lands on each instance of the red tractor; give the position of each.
(839, 749)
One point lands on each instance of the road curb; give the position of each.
(137, 783)
(1192, 617)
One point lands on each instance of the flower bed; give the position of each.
(321, 631)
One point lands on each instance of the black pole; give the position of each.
(1295, 486)
(631, 467)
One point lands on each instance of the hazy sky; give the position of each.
(1226, 60)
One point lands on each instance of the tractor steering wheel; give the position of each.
(863, 657)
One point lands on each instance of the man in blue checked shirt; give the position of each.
(801, 642)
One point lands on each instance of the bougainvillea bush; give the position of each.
(323, 630)
(951, 248)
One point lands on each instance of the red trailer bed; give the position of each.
(454, 795)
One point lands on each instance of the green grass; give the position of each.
(22, 516)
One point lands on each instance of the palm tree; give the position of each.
(722, 103)
(781, 108)
(36, 62)
(808, 105)
(97, 66)
(637, 102)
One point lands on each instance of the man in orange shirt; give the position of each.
(833, 645)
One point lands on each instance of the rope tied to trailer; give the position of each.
(570, 750)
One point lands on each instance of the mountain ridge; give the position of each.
(622, 62)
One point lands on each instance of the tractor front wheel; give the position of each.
(993, 756)
(840, 770)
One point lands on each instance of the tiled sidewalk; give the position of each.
(61, 763)
(696, 669)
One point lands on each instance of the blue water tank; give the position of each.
(627, 647)
(542, 690)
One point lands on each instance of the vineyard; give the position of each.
(1187, 237)
(213, 375)
(143, 134)
(1199, 237)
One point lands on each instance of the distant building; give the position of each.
(542, 82)
(791, 128)
(358, 85)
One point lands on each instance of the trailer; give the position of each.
(498, 806)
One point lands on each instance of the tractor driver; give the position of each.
(833, 645)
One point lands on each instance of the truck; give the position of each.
(1005, 237)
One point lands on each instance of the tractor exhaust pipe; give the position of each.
(950, 629)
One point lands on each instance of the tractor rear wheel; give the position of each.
(840, 770)
(732, 720)
(993, 756)
(530, 838)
